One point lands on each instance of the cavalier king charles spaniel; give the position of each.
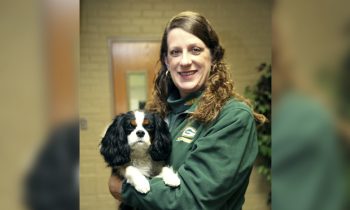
(138, 145)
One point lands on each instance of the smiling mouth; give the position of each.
(187, 73)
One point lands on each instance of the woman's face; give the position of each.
(188, 60)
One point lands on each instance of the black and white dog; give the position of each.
(138, 145)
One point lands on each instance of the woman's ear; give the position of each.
(161, 147)
(114, 146)
(166, 62)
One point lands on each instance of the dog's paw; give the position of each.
(142, 185)
(170, 178)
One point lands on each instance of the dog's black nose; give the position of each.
(140, 133)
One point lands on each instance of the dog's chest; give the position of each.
(141, 159)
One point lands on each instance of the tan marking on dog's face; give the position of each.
(133, 123)
(146, 122)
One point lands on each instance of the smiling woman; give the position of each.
(188, 60)
(213, 131)
(192, 53)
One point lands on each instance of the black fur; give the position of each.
(161, 147)
(116, 150)
(114, 145)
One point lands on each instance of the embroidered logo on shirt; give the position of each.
(187, 135)
(190, 102)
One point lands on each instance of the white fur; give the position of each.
(137, 179)
(132, 137)
(170, 178)
(142, 165)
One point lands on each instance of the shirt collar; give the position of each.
(187, 104)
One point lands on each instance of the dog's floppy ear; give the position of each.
(114, 145)
(161, 147)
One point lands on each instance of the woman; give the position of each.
(213, 131)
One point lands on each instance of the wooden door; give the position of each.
(133, 60)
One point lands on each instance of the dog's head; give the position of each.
(131, 128)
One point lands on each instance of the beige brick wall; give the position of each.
(245, 32)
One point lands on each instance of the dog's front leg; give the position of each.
(170, 178)
(137, 179)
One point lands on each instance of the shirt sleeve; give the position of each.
(215, 173)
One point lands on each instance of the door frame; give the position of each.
(110, 41)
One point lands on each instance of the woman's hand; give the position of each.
(115, 187)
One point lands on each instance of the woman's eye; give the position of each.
(175, 53)
(196, 50)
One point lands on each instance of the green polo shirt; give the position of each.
(213, 161)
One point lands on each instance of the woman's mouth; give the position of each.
(187, 74)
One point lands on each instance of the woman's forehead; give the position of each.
(178, 36)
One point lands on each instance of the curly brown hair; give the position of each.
(218, 88)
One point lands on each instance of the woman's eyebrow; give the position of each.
(197, 44)
(194, 44)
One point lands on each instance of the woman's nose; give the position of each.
(186, 59)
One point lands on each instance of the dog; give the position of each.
(137, 146)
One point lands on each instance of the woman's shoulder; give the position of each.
(236, 110)
(235, 105)
(233, 115)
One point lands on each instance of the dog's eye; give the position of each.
(131, 125)
(149, 126)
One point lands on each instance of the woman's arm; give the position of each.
(115, 187)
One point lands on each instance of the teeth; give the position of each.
(187, 73)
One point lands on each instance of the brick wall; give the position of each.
(245, 32)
